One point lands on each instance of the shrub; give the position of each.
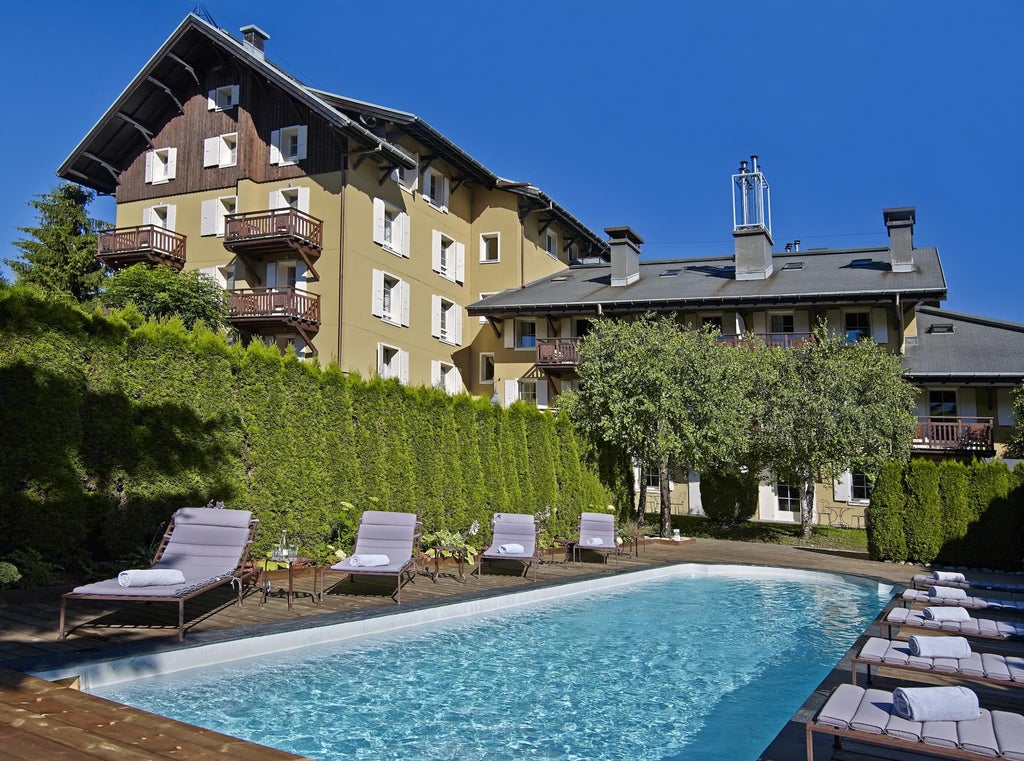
(957, 515)
(728, 496)
(35, 570)
(922, 517)
(8, 574)
(988, 482)
(886, 538)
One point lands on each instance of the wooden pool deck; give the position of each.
(42, 720)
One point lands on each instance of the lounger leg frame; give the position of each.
(63, 617)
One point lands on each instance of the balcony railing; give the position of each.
(273, 306)
(785, 340)
(557, 352)
(954, 434)
(146, 243)
(273, 227)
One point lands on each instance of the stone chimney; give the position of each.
(753, 253)
(254, 38)
(625, 251)
(900, 223)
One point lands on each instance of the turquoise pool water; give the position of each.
(695, 668)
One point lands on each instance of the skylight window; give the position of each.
(941, 327)
(793, 266)
(861, 262)
(670, 273)
(559, 279)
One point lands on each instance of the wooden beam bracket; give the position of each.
(166, 89)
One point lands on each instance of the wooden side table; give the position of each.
(459, 554)
(290, 562)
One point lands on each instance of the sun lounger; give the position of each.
(382, 536)
(980, 667)
(909, 618)
(925, 580)
(867, 715)
(514, 537)
(209, 546)
(597, 534)
(910, 596)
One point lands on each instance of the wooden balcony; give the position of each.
(257, 310)
(126, 246)
(275, 233)
(784, 340)
(954, 434)
(553, 353)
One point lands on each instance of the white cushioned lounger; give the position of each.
(925, 580)
(979, 667)
(512, 528)
(911, 596)
(395, 535)
(866, 715)
(908, 618)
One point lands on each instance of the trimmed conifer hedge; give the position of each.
(109, 424)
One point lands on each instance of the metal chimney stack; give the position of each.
(752, 222)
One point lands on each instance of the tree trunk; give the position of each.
(666, 500)
(807, 505)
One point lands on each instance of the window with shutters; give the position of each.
(435, 189)
(449, 257)
(159, 216)
(408, 179)
(392, 362)
(213, 212)
(446, 320)
(789, 496)
(390, 227)
(860, 487)
(444, 376)
(390, 298)
(526, 334)
(857, 326)
(528, 390)
(161, 165)
(551, 243)
(221, 151)
(781, 324)
(222, 98)
(288, 145)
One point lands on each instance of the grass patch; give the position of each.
(825, 537)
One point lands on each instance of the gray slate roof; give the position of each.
(826, 277)
(979, 350)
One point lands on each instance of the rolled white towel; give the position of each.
(150, 577)
(947, 593)
(595, 541)
(940, 647)
(935, 703)
(367, 561)
(949, 576)
(511, 549)
(947, 614)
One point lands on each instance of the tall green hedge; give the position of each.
(957, 513)
(886, 537)
(108, 424)
(922, 516)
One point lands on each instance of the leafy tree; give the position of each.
(163, 292)
(1015, 445)
(833, 407)
(59, 256)
(662, 394)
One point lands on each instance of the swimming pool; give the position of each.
(695, 665)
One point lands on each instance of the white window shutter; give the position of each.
(841, 488)
(378, 221)
(234, 94)
(172, 163)
(435, 250)
(801, 321)
(404, 287)
(303, 198)
(637, 473)
(147, 215)
(435, 315)
(879, 326)
(300, 276)
(404, 224)
(300, 152)
(542, 328)
(211, 100)
(215, 274)
(172, 217)
(834, 320)
(509, 333)
(966, 402)
(454, 381)
(1004, 403)
(275, 200)
(542, 392)
(377, 302)
(275, 146)
(270, 278)
(460, 263)
(565, 328)
(208, 217)
(760, 322)
(444, 191)
(211, 151)
(511, 392)
(380, 360)
(435, 373)
(457, 311)
(403, 367)
(149, 165)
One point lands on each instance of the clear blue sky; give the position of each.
(627, 112)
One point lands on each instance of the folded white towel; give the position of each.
(511, 549)
(947, 593)
(150, 577)
(595, 541)
(948, 576)
(947, 614)
(368, 561)
(935, 703)
(939, 647)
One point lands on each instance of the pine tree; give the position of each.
(59, 256)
